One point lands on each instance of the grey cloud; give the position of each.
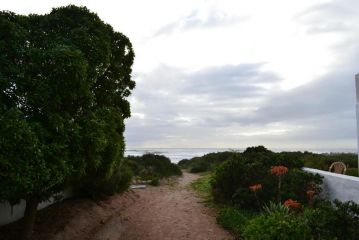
(178, 109)
(208, 98)
(231, 81)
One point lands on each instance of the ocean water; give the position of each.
(177, 154)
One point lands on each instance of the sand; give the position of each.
(170, 211)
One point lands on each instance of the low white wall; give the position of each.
(338, 186)
(10, 214)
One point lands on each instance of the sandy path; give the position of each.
(172, 211)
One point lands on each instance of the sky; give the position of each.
(232, 74)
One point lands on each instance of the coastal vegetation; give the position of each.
(321, 161)
(265, 195)
(151, 167)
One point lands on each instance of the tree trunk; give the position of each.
(29, 217)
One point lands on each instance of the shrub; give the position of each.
(297, 183)
(183, 163)
(198, 167)
(155, 181)
(150, 166)
(277, 225)
(207, 162)
(275, 207)
(117, 183)
(333, 220)
(234, 219)
(352, 172)
(232, 179)
(225, 179)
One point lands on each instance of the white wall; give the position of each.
(10, 214)
(338, 186)
(357, 112)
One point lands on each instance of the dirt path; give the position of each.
(171, 211)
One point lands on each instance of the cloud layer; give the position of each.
(234, 73)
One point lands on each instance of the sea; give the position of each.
(177, 154)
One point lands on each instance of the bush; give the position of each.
(151, 166)
(207, 162)
(296, 183)
(234, 219)
(198, 167)
(232, 179)
(155, 181)
(183, 163)
(336, 220)
(117, 183)
(352, 172)
(277, 225)
(323, 161)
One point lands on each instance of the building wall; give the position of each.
(10, 213)
(338, 186)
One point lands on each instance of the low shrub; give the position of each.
(100, 188)
(207, 162)
(232, 180)
(152, 167)
(275, 207)
(155, 181)
(336, 220)
(352, 172)
(234, 219)
(203, 186)
(183, 163)
(277, 225)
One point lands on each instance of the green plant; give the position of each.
(152, 167)
(297, 183)
(276, 207)
(234, 219)
(118, 182)
(232, 178)
(336, 220)
(207, 162)
(64, 80)
(203, 186)
(352, 172)
(155, 181)
(276, 225)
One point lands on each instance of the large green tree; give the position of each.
(64, 79)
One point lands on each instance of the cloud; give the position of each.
(334, 16)
(170, 103)
(196, 20)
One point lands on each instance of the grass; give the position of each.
(234, 219)
(203, 186)
(228, 217)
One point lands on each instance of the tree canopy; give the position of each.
(64, 80)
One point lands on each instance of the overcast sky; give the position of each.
(236, 73)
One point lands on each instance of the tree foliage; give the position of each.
(64, 79)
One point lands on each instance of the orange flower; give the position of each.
(255, 187)
(293, 204)
(278, 170)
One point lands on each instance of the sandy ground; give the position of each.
(170, 211)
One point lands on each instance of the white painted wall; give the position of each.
(10, 214)
(357, 113)
(338, 186)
